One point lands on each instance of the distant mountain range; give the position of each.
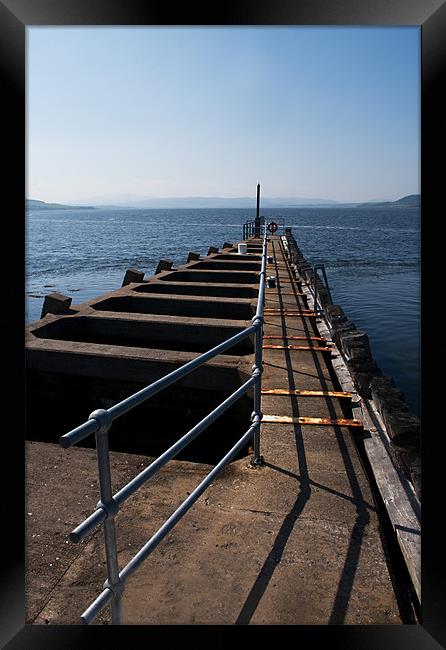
(412, 200)
(32, 204)
(223, 202)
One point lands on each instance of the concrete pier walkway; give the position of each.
(294, 542)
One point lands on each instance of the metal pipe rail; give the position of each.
(249, 226)
(99, 423)
(312, 286)
(314, 289)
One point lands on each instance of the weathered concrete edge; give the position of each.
(398, 493)
(58, 305)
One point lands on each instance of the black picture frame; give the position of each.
(430, 16)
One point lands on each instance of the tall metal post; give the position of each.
(258, 200)
(257, 219)
(113, 581)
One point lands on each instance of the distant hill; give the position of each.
(204, 202)
(216, 202)
(194, 202)
(409, 201)
(33, 204)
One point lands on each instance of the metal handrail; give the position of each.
(312, 286)
(314, 289)
(249, 227)
(99, 423)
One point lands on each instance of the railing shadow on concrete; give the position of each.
(345, 585)
(304, 492)
(100, 422)
(351, 561)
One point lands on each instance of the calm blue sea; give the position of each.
(372, 259)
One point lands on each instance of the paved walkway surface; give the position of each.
(294, 542)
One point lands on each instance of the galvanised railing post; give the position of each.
(315, 291)
(113, 581)
(257, 368)
(326, 283)
(316, 309)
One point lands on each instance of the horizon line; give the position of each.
(113, 201)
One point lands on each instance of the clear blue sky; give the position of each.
(121, 113)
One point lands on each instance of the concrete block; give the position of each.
(403, 427)
(362, 373)
(132, 275)
(340, 329)
(382, 389)
(55, 303)
(363, 365)
(192, 257)
(163, 265)
(335, 316)
(393, 404)
(226, 245)
(212, 249)
(361, 381)
(355, 345)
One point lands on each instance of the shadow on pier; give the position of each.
(303, 496)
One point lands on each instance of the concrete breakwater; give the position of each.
(296, 540)
(402, 426)
(94, 354)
